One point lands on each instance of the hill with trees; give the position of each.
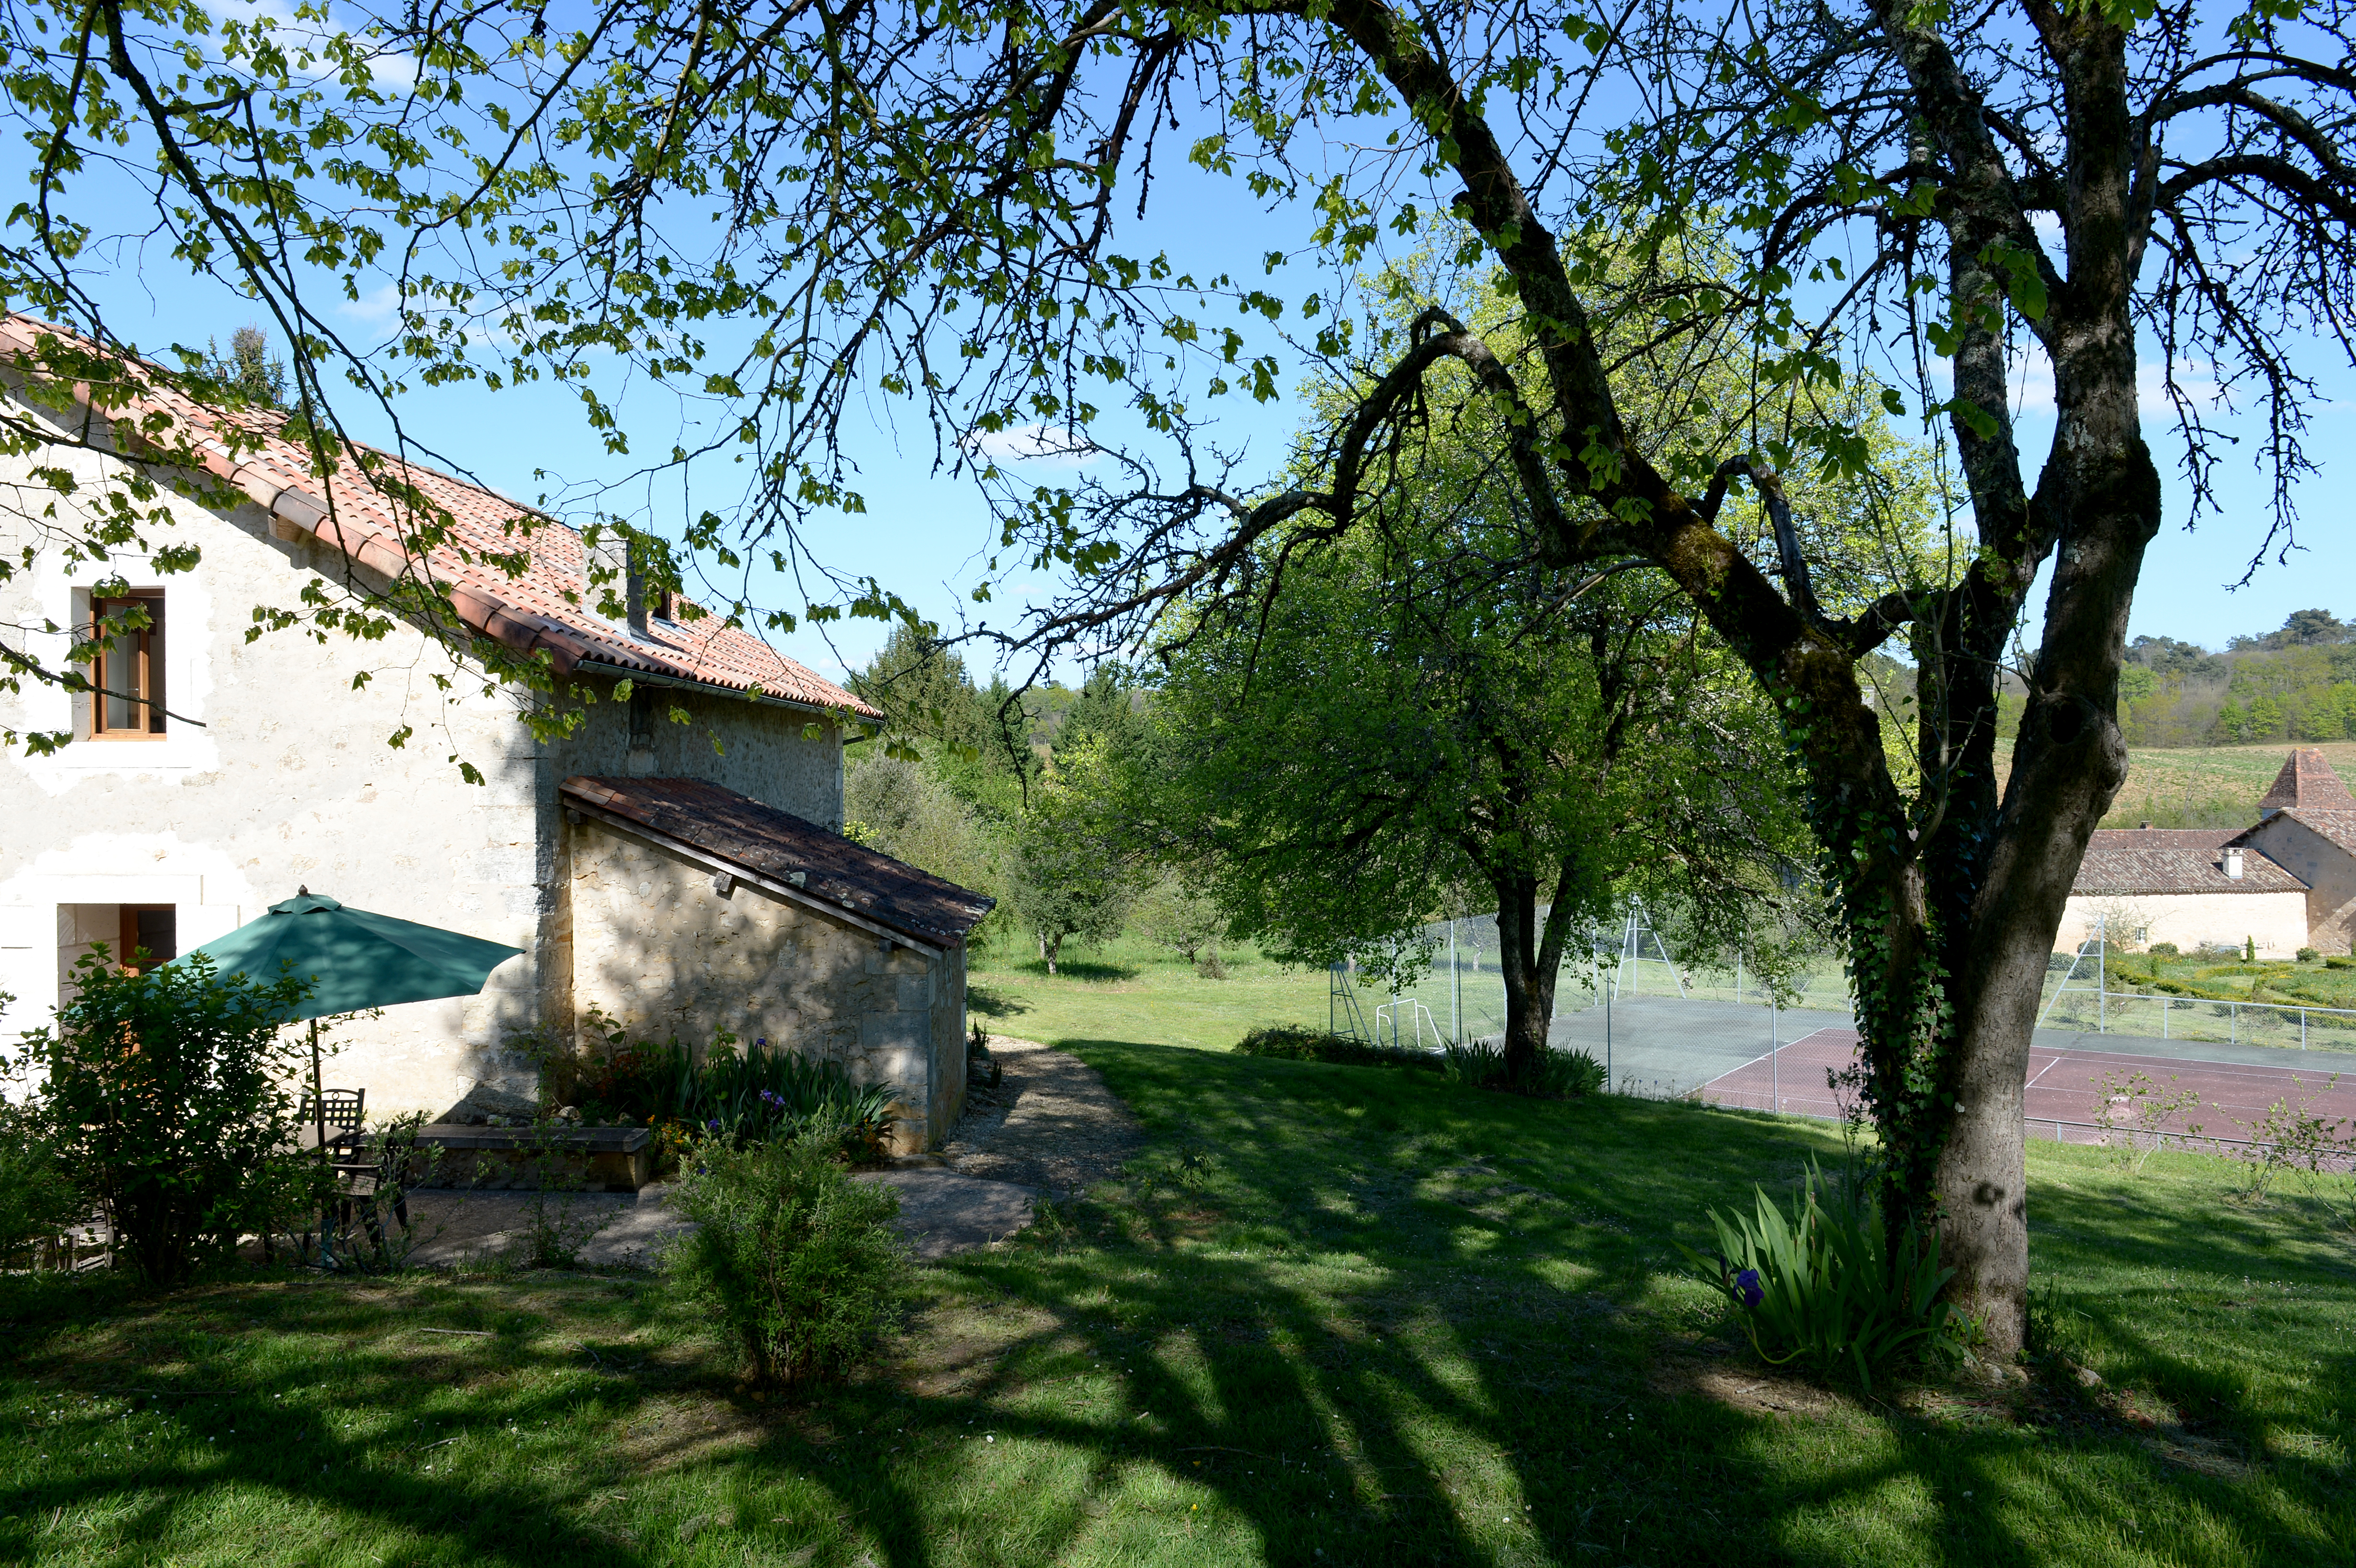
(2294, 684)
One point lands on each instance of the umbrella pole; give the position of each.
(318, 1101)
(319, 1124)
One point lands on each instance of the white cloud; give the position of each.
(1056, 445)
(378, 306)
(2032, 384)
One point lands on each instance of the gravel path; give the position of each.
(1055, 1128)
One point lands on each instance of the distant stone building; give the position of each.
(2286, 882)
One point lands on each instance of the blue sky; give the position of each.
(926, 537)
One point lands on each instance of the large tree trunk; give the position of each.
(1529, 956)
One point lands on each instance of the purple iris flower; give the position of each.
(1747, 1287)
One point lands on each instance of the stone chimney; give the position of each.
(633, 590)
(2233, 864)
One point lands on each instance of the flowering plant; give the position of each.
(1823, 1282)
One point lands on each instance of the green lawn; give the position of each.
(1130, 989)
(1335, 1315)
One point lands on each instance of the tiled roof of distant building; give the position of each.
(2306, 783)
(548, 608)
(2135, 861)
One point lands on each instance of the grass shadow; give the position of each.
(990, 1004)
(1094, 971)
(1329, 1315)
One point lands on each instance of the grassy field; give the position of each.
(1333, 1316)
(1131, 989)
(2201, 787)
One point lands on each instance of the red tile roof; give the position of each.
(548, 608)
(779, 848)
(2136, 861)
(2307, 784)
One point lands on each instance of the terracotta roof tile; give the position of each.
(2307, 783)
(548, 608)
(2133, 861)
(778, 845)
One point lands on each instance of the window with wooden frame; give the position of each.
(127, 700)
(150, 936)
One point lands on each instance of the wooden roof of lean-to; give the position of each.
(2139, 861)
(547, 609)
(785, 854)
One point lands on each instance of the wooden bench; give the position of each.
(602, 1159)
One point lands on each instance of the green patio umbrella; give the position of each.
(356, 960)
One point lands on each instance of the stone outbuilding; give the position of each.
(688, 905)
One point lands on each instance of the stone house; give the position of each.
(231, 768)
(2308, 825)
(2286, 882)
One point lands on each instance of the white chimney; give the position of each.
(2233, 864)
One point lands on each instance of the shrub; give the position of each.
(167, 1093)
(2336, 962)
(39, 1197)
(797, 1260)
(758, 1091)
(1821, 1285)
(2164, 950)
(1569, 1075)
(983, 1070)
(1293, 1042)
(2306, 956)
(1560, 1074)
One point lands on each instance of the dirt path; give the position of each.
(1055, 1128)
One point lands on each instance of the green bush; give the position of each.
(1821, 1285)
(1569, 1075)
(1560, 1075)
(169, 1095)
(2164, 950)
(2306, 956)
(797, 1260)
(39, 1197)
(1293, 1042)
(754, 1093)
(2336, 962)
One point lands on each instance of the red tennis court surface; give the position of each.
(2064, 1095)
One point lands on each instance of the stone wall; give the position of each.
(2329, 870)
(786, 757)
(2277, 922)
(657, 946)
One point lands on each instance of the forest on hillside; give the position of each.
(2297, 683)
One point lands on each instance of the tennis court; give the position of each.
(2065, 1096)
